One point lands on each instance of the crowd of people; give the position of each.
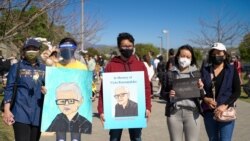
(183, 115)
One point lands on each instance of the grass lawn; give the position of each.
(243, 95)
(6, 133)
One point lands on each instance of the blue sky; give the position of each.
(145, 19)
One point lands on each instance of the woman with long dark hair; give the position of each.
(183, 114)
(222, 87)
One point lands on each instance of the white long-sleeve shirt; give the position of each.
(150, 70)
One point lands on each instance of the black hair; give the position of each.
(227, 60)
(171, 51)
(67, 39)
(144, 57)
(237, 57)
(160, 58)
(123, 36)
(152, 53)
(189, 48)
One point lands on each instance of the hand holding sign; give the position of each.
(187, 87)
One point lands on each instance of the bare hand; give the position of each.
(8, 117)
(43, 90)
(219, 110)
(172, 93)
(200, 84)
(210, 102)
(102, 119)
(148, 113)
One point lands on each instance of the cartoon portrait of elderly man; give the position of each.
(124, 107)
(68, 100)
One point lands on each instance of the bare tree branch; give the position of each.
(58, 20)
(226, 29)
(23, 9)
(7, 18)
(24, 24)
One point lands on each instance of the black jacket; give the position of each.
(131, 109)
(167, 85)
(78, 124)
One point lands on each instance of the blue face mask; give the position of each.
(67, 53)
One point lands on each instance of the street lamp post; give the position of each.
(161, 44)
(164, 31)
(82, 25)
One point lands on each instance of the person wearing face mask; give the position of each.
(183, 114)
(225, 82)
(126, 62)
(28, 74)
(67, 47)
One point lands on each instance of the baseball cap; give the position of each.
(219, 46)
(32, 42)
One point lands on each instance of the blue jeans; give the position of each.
(218, 131)
(134, 133)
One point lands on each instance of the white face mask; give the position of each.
(184, 62)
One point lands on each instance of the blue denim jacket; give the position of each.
(29, 99)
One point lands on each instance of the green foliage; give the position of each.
(244, 48)
(92, 51)
(198, 55)
(40, 27)
(143, 49)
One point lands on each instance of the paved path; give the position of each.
(157, 127)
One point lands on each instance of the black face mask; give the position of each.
(217, 60)
(126, 52)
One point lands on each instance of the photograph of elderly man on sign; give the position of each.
(125, 106)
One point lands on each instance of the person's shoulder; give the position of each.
(58, 118)
(193, 68)
(81, 65)
(134, 60)
(83, 120)
(58, 64)
(59, 115)
(133, 103)
(42, 65)
(85, 125)
(231, 67)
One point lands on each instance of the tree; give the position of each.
(198, 55)
(92, 51)
(143, 49)
(22, 19)
(244, 48)
(16, 18)
(224, 28)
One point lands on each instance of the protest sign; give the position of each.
(124, 100)
(67, 104)
(187, 87)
